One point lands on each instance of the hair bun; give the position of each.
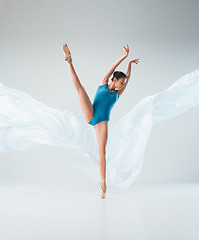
(118, 75)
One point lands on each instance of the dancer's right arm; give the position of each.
(113, 67)
(111, 70)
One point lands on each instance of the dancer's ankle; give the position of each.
(69, 60)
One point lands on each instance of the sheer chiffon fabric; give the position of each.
(26, 123)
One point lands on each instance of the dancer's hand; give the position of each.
(126, 51)
(135, 61)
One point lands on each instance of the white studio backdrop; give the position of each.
(32, 34)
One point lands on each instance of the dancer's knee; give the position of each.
(102, 152)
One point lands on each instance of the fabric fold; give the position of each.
(26, 123)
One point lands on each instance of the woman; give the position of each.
(98, 113)
(26, 123)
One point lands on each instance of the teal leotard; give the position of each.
(104, 101)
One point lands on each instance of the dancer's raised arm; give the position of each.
(128, 74)
(113, 67)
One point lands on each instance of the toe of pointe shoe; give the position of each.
(67, 50)
(103, 193)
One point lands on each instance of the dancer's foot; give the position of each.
(67, 52)
(103, 187)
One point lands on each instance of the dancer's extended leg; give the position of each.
(85, 102)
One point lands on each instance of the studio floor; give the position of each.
(155, 212)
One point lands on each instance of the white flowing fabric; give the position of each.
(26, 122)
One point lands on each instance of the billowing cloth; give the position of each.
(26, 123)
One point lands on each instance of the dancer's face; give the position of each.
(120, 83)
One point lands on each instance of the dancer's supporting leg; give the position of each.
(85, 102)
(102, 136)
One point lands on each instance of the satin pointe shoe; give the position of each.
(67, 52)
(103, 190)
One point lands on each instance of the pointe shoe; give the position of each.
(103, 192)
(67, 52)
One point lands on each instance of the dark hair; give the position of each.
(118, 75)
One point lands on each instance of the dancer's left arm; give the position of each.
(128, 74)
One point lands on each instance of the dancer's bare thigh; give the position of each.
(86, 104)
(102, 135)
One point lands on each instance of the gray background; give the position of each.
(163, 34)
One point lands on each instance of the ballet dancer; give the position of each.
(26, 123)
(98, 113)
